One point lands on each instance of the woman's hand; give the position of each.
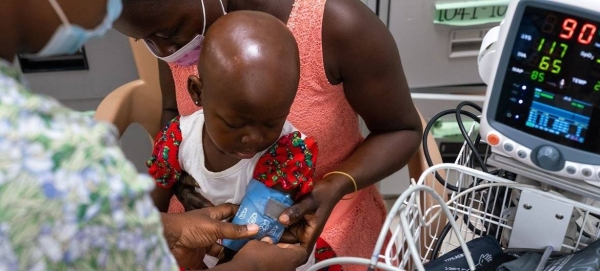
(307, 217)
(257, 255)
(193, 234)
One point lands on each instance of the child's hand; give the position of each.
(185, 191)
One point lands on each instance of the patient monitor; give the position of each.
(542, 107)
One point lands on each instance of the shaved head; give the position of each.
(254, 53)
(249, 70)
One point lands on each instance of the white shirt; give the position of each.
(227, 186)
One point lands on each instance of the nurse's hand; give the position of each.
(193, 234)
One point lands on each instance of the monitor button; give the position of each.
(522, 154)
(571, 170)
(508, 147)
(549, 158)
(493, 139)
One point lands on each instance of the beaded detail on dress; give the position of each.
(185, 104)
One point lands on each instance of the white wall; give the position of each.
(110, 65)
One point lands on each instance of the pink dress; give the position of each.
(321, 111)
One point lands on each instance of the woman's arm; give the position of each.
(167, 87)
(361, 53)
(261, 256)
(366, 57)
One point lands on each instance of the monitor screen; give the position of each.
(552, 84)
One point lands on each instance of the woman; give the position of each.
(350, 66)
(69, 200)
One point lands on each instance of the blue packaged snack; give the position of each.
(261, 206)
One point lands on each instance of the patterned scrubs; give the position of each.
(69, 199)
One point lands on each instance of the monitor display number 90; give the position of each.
(552, 85)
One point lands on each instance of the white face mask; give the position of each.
(69, 38)
(190, 53)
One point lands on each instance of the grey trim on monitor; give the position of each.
(529, 141)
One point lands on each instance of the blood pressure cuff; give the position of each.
(261, 206)
(483, 251)
(585, 260)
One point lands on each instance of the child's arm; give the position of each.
(161, 198)
(185, 191)
(164, 164)
(289, 165)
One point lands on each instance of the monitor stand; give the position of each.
(577, 187)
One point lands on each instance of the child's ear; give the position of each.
(195, 89)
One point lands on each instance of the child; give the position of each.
(249, 73)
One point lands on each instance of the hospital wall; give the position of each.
(111, 65)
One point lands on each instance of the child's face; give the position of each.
(249, 74)
(243, 126)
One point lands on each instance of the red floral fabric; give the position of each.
(290, 162)
(323, 251)
(164, 164)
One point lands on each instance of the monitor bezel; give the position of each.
(527, 140)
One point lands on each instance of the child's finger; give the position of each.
(267, 239)
(288, 238)
(197, 201)
(287, 245)
(232, 231)
(216, 250)
(222, 212)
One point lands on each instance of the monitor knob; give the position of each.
(549, 158)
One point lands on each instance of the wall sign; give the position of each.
(74, 62)
(469, 13)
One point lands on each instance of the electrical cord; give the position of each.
(438, 244)
(473, 146)
(466, 136)
(475, 156)
(426, 147)
(475, 153)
